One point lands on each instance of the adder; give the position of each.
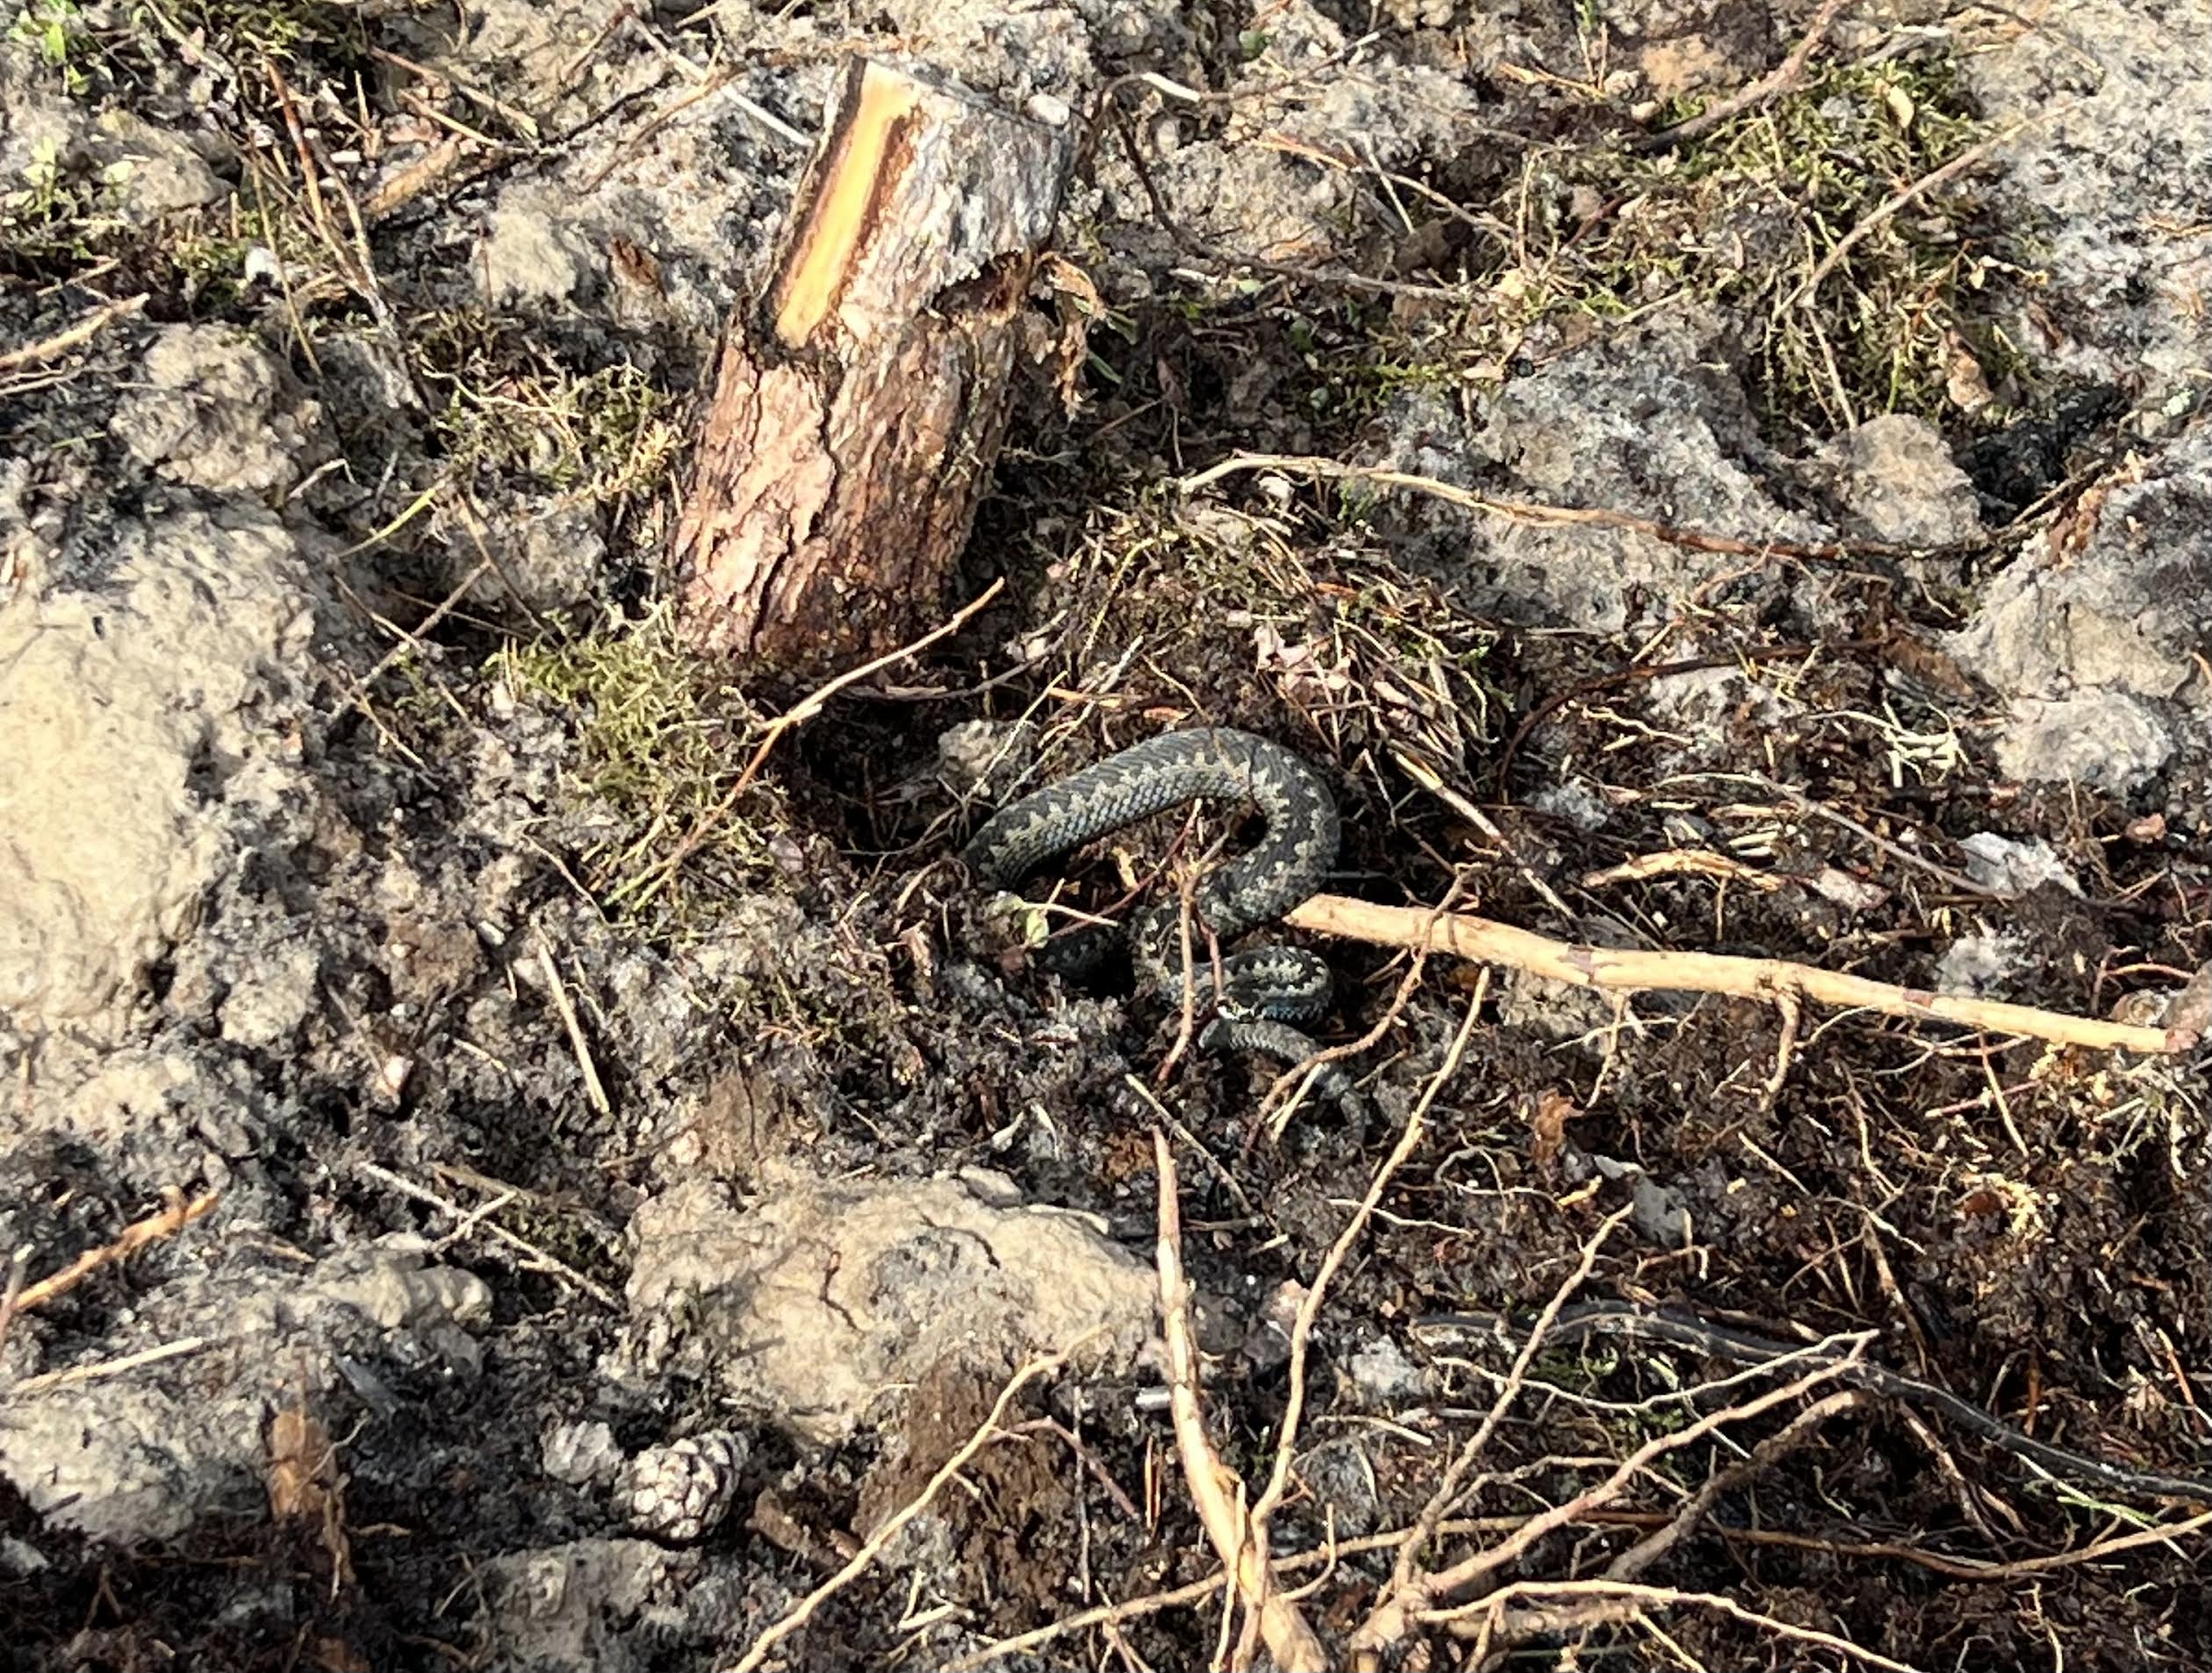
(1263, 992)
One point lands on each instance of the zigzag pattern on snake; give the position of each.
(1263, 991)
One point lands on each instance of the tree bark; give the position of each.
(860, 405)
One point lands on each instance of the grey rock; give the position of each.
(180, 658)
(1895, 474)
(580, 1454)
(826, 1294)
(1383, 1372)
(2105, 741)
(2014, 868)
(219, 412)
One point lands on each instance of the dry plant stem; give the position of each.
(1298, 1080)
(178, 1213)
(474, 1220)
(1960, 1568)
(862, 1559)
(1765, 90)
(574, 1025)
(1309, 1308)
(19, 1264)
(1476, 1620)
(1765, 979)
(106, 1368)
(1386, 1623)
(1919, 187)
(1541, 515)
(73, 337)
(1214, 1487)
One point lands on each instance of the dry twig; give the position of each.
(1765, 90)
(1309, 1308)
(574, 1025)
(1415, 1603)
(891, 1524)
(1386, 1622)
(1478, 1620)
(1214, 1487)
(73, 337)
(474, 1220)
(1541, 515)
(1806, 292)
(177, 1212)
(1765, 979)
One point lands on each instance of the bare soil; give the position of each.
(372, 865)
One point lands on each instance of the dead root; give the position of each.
(1215, 1489)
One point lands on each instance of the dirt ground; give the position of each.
(473, 1195)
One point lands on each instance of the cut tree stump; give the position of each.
(860, 404)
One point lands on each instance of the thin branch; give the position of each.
(1958, 165)
(1386, 1622)
(1474, 1571)
(1309, 1308)
(1765, 90)
(1538, 515)
(74, 336)
(893, 1523)
(1765, 980)
(1463, 1621)
(178, 1213)
(1630, 1564)
(1214, 1487)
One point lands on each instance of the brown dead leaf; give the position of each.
(1554, 1110)
(305, 1486)
(335, 1656)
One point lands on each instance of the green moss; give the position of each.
(1746, 216)
(656, 746)
(513, 404)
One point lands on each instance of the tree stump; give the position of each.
(860, 404)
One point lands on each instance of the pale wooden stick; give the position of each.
(1214, 1487)
(1769, 980)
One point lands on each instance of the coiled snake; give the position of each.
(1264, 991)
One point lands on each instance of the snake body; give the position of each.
(1264, 991)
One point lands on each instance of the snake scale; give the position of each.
(1264, 992)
